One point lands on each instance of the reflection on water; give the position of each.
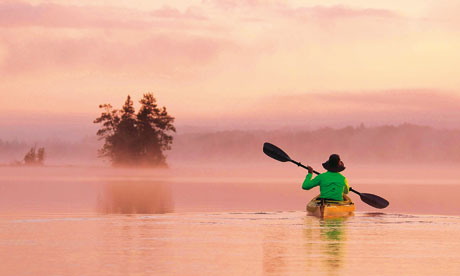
(219, 243)
(135, 197)
(325, 242)
(48, 226)
(274, 250)
(333, 236)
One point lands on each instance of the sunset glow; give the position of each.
(229, 137)
(213, 62)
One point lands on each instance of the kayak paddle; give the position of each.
(372, 200)
(278, 154)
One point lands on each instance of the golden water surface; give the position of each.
(73, 222)
(288, 243)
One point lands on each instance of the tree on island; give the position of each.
(136, 139)
(34, 156)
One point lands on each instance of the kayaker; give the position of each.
(332, 184)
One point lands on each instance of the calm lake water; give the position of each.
(74, 221)
(220, 243)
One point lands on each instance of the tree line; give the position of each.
(406, 143)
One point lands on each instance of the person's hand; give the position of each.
(310, 169)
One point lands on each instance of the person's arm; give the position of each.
(308, 183)
(346, 188)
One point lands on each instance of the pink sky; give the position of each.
(229, 63)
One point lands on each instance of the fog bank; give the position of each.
(401, 144)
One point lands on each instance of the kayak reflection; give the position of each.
(325, 245)
(333, 236)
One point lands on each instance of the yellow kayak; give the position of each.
(330, 208)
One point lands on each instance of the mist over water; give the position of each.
(274, 187)
(220, 219)
(359, 145)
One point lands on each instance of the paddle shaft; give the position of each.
(354, 191)
(303, 166)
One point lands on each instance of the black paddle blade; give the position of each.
(374, 201)
(275, 152)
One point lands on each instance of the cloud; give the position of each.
(172, 13)
(403, 99)
(20, 14)
(165, 41)
(443, 14)
(332, 12)
(421, 106)
(156, 53)
(231, 4)
(50, 15)
(336, 12)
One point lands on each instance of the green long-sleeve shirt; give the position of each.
(332, 185)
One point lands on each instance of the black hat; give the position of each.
(334, 164)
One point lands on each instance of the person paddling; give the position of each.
(332, 184)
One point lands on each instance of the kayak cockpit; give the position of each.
(330, 208)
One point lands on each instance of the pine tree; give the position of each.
(125, 139)
(29, 158)
(34, 156)
(40, 156)
(136, 139)
(110, 120)
(154, 126)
